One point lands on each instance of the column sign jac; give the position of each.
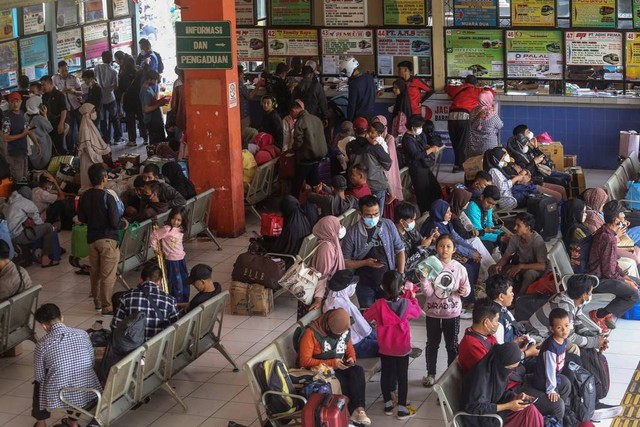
(204, 45)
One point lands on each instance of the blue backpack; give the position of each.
(119, 203)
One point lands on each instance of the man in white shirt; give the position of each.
(107, 78)
(69, 85)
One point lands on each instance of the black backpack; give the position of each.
(160, 63)
(126, 337)
(583, 394)
(596, 363)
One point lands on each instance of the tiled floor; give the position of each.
(213, 393)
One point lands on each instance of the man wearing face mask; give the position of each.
(404, 216)
(372, 247)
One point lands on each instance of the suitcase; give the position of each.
(577, 184)
(326, 410)
(545, 211)
(526, 305)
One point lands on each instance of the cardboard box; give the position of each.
(133, 158)
(555, 151)
(248, 300)
(570, 160)
(577, 184)
(472, 166)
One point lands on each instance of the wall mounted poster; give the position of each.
(347, 42)
(403, 43)
(339, 13)
(290, 12)
(250, 44)
(120, 8)
(300, 42)
(404, 12)
(69, 47)
(33, 19)
(594, 13)
(476, 13)
(93, 10)
(121, 34)
(66, 13)
(34, 56)
(534, 54)
(596, 54)
(96, 41)
(477, 52)
(633, 56)
(533, 13)
(6, 24)
(8, 64)
(244, 12)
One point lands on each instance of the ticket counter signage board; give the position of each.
(475, 13)
(250, 44)
(292, 42)
(121, 33)
(290, 12)
(93, 10)
(403, 42)
(120, 8)
(66, 13)
(8, 64)
(33, 19)
(244, 12)
(404, 12)
(593, 14)
(534, 54)
(96, 41)
(632, 57)
(533, 13)
(34, 56)
(204, 45)
(477, 52)
(69, 47)
(345, 13)
(347, 41)
(593, 55)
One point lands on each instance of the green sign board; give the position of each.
(594, 13)
(204, 45)
(477, 52)
(290, 12)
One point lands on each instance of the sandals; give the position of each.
(51, 263)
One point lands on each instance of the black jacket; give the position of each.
(310, 92)
(374, 157)
(99, 211)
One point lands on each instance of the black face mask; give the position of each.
(334, 336)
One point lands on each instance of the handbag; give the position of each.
(545, 285)
(287, 168)
(258, 268)
(301, 280)
(543, 169)
(271, 224)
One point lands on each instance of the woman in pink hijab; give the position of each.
(393, 174)
(327, 259)
(484, 126)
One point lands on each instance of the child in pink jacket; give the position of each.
(443, 306)
(392, 316)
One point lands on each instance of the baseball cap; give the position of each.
(360, 124)
(14, 95)
(200, 272)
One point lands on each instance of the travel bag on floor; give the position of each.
(545, 211)
(596, 363)
(326, 410)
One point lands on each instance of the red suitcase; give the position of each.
(326, 410)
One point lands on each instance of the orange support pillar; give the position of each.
(213, 125)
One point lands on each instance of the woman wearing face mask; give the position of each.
(484, 125)
(327, 259)
(91, 146)
(495, 160)
(420, 157)
(401, 109)
(394, 191)
(485, 391)
(271, 121)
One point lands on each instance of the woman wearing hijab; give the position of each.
(420, 156)
(484, 126)
(494, 162)
(36, 117)
(327, 341)
(393, 175)
(342, 287)
(401, 109)
(484, 391)
(459, 201)
(91, 146)
(327, 259)
(294, 229)
(172, 172)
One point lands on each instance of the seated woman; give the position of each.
(175, 177)
(13, 278)
(294, 229)
(327, 341)
(484, 391)
(342, 287)
(494, 162)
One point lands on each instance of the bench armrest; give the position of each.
(466, 414)
(76, 408)
(272, 254)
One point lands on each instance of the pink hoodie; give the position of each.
(171, 240)
(394, 333)
(451, 306)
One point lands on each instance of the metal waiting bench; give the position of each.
(17, 322)
(261, 186)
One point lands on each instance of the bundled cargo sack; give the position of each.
(250, 300)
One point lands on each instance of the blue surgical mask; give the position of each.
(371, 222)
(501, 164)
(410, 226)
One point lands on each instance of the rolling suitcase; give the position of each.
(545, 211)
(326, 410)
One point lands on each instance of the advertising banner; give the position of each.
(338, 13)
(6, 24)
(406, 43)
(595, 54)
(475, 13)
(33, 19)
(120, 8)
(437, 110)
(534, 54)
(633, 56)
(121, 33)
(8, 64)
(93, 10)
(533, 13)
(244, 12)
(34, 56)
(635, 13)
(290, 12)
(347, 42)
(250, 44)
(477, 52)
(66, 13)
(594, 13)
(96, 41)
(404, 12)
(294, 42)
(69, 44)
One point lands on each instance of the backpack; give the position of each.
(583, 394)
(551, 421)
(126, 337)
(272, 375)
(596, 363)
(119, 203)
(160, 63)
(317, 386)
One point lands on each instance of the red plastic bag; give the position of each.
(544, 285)
(271, 224)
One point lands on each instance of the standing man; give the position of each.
(417, 89)
(362, 90)
(311, 92)
(147, 59)
(70, 87)
(276, 85)
(246, 96)
(56, 110)
(151, 112)
(98, 209)
(107, 78)
(464, 99)
(14, 133)
(309, 145)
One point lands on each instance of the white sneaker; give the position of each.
(606, 413)
(428, 381)
(466, 314)
(360, 417)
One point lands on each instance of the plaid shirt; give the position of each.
(64, 357)
(136, 301)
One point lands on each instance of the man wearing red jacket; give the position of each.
(417, 89)
(464, 99)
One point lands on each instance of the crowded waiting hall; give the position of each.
(336, 213)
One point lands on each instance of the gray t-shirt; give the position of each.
(533, 251)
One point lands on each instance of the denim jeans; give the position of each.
(109, 119)
(381, 196)
(367, 347)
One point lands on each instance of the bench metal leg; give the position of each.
(173, 394)
(255, 212)
(212, 237)
(124, 282)
(226, 355)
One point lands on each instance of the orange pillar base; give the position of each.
(213, 127)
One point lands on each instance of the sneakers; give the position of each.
(608, 320)
(403, 415)
(598, 321)
(132, 144)
(388, 409)
(604, 411)
(466, 314)
(428, 381)
(415, 352)
(360, 417)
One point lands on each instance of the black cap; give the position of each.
(342, 279)
(200, 272)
